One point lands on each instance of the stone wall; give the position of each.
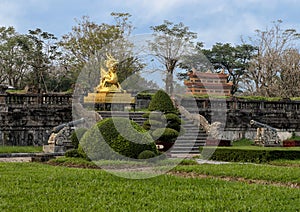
(27, 119)
(235, 114)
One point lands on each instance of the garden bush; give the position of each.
(146, 154)
(113, 137)
(163, 121)
(161, 102)
(165, 134)
(76, 136)
(174, 122)
(250, 155)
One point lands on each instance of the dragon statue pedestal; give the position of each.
(105, 100)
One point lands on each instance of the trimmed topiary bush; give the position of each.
(165, 134)
(146, 154)
(76, 136)
(174, 122)
(161, 102)
(163, 122)
(116, 138)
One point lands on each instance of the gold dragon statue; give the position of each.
(109, 78)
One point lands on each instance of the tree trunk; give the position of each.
(169, 83)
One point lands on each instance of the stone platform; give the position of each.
(109, 97)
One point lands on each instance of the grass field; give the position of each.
(20, 149)
(40, 187)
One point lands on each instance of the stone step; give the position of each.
(190, 141)
(187, 143)
(175, 152)
(193, 135)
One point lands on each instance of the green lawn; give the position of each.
(40, 187)
(20, 149)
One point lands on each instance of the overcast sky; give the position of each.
(213, 20)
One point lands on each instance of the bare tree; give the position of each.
(289, 78)
(171, 43)
(268, 68)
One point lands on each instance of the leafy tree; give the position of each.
(13, 53)
(89, 41)
(170, 44)
(137, 83)
(27, 59)
(195, 61)
(42, 56)
(234, 59)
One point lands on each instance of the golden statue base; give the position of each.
(110, 98)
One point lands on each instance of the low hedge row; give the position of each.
(253, 156)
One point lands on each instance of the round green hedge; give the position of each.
(146, 154)
(161, 102)
(114, 138)
(165, 135)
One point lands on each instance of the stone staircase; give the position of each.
(188, 144)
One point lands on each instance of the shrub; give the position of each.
(113, 137)
(161, 102)
(174, 121)
(74, 153)
(165, 134)
(146, 154)
(146, 115)
(250, 155)
(76, 136)
(164, 123)
(173, 117)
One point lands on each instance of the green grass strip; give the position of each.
(20, 149)
(39, 187)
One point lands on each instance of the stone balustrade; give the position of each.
(35, 99)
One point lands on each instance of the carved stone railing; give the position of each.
(35, 99)
(243, 105)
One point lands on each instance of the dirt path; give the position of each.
(16, 159)
(234, 179)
